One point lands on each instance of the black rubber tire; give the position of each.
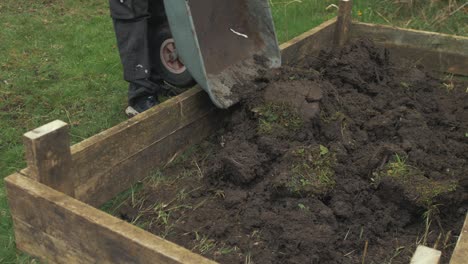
(182, 80)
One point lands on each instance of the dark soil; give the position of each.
(341, 157)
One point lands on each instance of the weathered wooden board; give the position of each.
(111, 161)
(60, 229)
(48, 156)
(460, 254)
(101, 188)
(440, 52)
(310, 42)
(343, 23)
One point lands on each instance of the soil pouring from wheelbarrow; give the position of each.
(223, 43)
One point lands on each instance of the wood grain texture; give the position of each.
(309, 43)
(343, 23)
(435, 51)
(48, 156)
(60, 229)
(110, 162)
(460, 254)
(97, 154)
(102, 187)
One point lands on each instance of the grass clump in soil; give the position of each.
(205, 245)
(416, 186)
(166, 213)
(150, 214)
(312, 171)
(277, 117)
(333, 117)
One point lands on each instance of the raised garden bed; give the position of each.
(53, 202)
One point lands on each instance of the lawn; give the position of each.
(58, 60)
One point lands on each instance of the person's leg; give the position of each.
(130, 19)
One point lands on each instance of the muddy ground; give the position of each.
(339, 158)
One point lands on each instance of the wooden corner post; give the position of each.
(48, 156)
(343, 23)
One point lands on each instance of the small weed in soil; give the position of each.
(274, 117)
(412, 180)
(312, 171)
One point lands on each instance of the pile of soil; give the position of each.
(338, 158)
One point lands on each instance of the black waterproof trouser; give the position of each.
(132, 28)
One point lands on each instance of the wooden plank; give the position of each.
(96, 154)
(104, 153)
(309, 43)
(460, 253)
(35, 243)
(426, 255)
(48, 156)
(343, 23)
(439, 52)
(60, 229)
(99, 189)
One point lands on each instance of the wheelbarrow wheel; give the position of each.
(166, 63)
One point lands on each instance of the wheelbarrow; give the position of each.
(223, 43)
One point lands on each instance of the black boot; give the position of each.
(141, 104)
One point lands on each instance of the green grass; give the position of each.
(446, 16)
(312, 171)
(58, 60)
(424, 191)
(275, 118)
